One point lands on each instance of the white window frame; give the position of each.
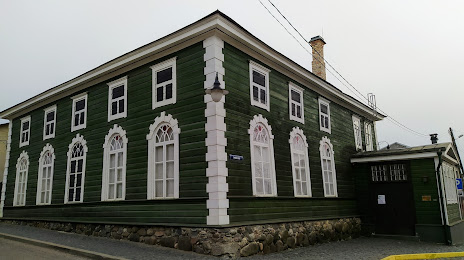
(21, 190)
(293, 87)
(116, 130)
(78, 139)
(40, 188)
(112, 85)
(265, 71)
(326, 140)
(151, 138)
(357, 134)
(46, 111)
(28, 131)
(259, 120)
(297, 132)
(82, 96)
(162, 66)
(327, 103)
(368, 136)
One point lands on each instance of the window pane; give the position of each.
(164, 75)
(267, 186)
(52, 128)
(80, 105)
(170, 170)
(159, 94)
(255, 93)
(111, 176)
(324, 109)
(121, 106)
(78, 194)
(297, 174)
(266, 170)
(76, 119)
(47, 130)
(111, 191)
(259, 78)
(305, 189)
(73, 166)
(295, 96)
(303, 174)
(298, 188)
(159, 171)
(72, 180)
(112, 160)
(50, 116)
(120, 159)
(326, 122)
(170, 188)
(119, 177)
(159, 188)
(79, 165)
(78, 180)
(82, 118)
(168, 91)
(293, 109)
(262, 97)
(259, 186)
(71, 195)
(158, 154)
(258, 170)
(25, 125)
(170, 152)
(119, 191)
(298, 111)
(114, 108)
(118, 92)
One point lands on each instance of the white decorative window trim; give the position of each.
(111, 85)
(46, 111)
(357, 132)
(151, 138)
(82, 96)
(17, 200)
(116, 130)
(326, 140)
(7, 167)
(297, 132)
(294, 87)
(47, 148)
(255, 122)
(26, 132)
(158, 67)
(265, 71)
(78, 139)
(327, 103)
(368, 136)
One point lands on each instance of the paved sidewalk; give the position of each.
(361, 248)
(117, 248)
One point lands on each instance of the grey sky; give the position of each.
(408, 53)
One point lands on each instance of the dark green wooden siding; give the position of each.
(239, 114)
(189, 111)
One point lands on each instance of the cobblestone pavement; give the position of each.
(16, 250)
(360, 248)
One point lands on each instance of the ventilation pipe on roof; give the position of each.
(318, 64)
(434, 138)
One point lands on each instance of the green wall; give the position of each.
(189, 111)
(243, 206)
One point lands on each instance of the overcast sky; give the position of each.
(408, 53)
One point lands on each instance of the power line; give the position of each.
(355, 89)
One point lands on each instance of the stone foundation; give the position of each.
(232, 242)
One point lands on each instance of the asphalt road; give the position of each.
(13, 250)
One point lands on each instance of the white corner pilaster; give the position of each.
(215, 141)
(5, 173)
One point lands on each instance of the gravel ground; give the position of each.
(361, 248)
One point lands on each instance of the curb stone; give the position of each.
(62, 248)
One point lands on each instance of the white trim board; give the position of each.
(394, 157)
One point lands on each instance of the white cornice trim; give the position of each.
(216, 21)
(394, 157)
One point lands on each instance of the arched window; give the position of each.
(75, 173)
(262, 157)
(114, 165)
(329, 175)
(45, 180)
(163, 158)
(300, 163)
(22, 167)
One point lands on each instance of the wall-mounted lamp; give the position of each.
(216, 92)
(425, 179)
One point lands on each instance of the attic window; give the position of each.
(296, 108)
(164, 83)
(324, 115)
(117, 99)
(79, 113)
(259, 86)
(25, 131)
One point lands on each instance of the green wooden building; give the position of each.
(137, 141)
(411, 192)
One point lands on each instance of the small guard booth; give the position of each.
(411, 192)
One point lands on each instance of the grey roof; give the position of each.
(395, 145)
(408, 150)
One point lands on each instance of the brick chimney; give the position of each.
(317, 43)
